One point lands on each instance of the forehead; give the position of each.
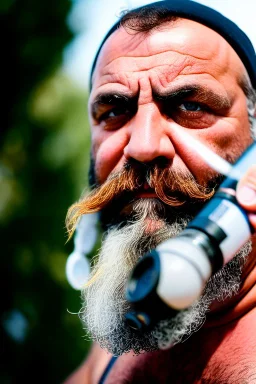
(165, 55)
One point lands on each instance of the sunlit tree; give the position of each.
(43, 169)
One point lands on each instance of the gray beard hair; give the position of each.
(104, 300)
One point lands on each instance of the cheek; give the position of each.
(107, 149)
(227, 138)
(232, 141)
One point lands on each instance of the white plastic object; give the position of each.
(86, 233)
(78, 266)
(183, 275)
(229, 217)
(77, 270)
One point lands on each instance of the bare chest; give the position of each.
(206, 358)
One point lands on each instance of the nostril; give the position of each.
(162, 161)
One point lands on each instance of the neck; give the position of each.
(241, 304)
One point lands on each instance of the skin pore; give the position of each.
(148, 89)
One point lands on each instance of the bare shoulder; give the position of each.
(91, 369)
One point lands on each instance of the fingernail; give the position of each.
(246, 194)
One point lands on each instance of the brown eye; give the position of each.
(115, 118)
(113, 113)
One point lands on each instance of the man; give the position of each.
(169, 68)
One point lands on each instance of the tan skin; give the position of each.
(143, 70)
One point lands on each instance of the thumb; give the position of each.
(246, 193)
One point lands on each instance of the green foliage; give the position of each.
(43, 169)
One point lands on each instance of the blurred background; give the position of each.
(44, 153)
(43, 169)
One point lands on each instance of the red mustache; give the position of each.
(171, 188)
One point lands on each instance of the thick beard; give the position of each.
(104, 300)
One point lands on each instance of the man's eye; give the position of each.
(192, 114)
(114, 118)
(115, 112)
(190, 106)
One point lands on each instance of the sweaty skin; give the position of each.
(132, 117)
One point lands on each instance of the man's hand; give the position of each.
(246, 193)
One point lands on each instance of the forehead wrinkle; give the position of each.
(140, 47)
(183, 34)
(115, 69)
(128, 77)
(131, 45)
(153, 57)
(124, 83)
(180, 81)
(129, 80)
(116, 78)
(149, 61)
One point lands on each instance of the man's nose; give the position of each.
(148, 136)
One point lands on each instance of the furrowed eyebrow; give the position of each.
(105, 99)
(204, 95)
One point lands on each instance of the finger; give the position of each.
(252, 218)
(246, 190)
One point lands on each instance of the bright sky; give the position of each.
(91, 19)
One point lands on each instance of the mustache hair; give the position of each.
(171, 187)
